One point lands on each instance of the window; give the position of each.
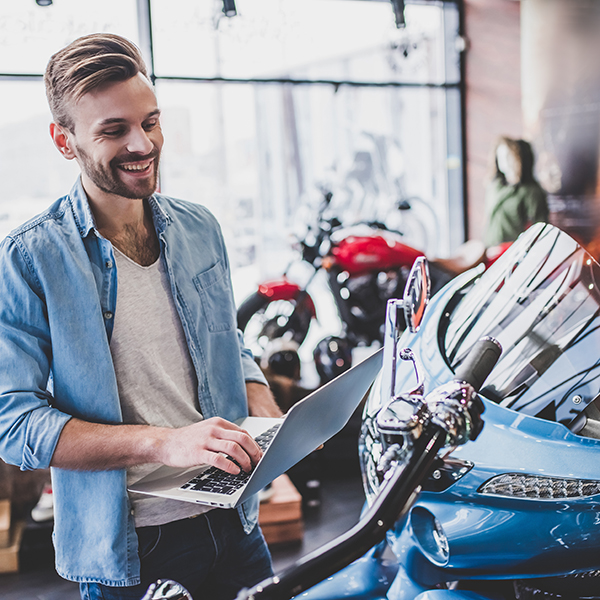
(260, 111)
(32, 172)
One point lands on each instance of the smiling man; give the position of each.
(119, 349)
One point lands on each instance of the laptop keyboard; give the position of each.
(219, 482)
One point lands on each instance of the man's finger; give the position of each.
(239, 447)
(224, 463)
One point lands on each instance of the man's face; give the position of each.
(117, 139)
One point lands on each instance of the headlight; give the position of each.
(517, 485)
(370, 449)
(369, 444)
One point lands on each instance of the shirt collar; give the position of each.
(81, 209)
(159, 214)
(85, 218)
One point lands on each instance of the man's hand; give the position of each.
(85, 446)
(211, 442)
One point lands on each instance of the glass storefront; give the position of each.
(261, 113)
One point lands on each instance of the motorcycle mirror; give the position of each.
(413, 304)
(416, 294)
(166, 589)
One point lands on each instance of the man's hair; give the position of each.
(85, 65)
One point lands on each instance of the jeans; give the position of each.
(210, 555)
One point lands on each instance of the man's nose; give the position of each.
(139, 142)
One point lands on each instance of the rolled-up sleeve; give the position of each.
(29, 425)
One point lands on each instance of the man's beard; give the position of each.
(108, 180)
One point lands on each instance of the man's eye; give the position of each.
(151, 125)
(113, 132)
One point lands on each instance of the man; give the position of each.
(119, 349)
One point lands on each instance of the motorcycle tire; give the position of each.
(263, 320)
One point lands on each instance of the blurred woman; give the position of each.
(514, 200)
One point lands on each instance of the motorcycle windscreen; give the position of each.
(541, 301)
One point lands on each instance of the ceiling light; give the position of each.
(399, 13)
(229, 8)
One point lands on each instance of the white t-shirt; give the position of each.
(155, 375)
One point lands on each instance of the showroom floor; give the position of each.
(341, 501)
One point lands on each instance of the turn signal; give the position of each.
(517, 485)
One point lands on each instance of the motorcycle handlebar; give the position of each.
(479, 362)
(397, 492)
(394, 500)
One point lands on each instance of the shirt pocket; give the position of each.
(217, 298)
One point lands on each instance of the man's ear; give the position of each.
(62, 140)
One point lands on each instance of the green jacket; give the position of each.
(511, 209)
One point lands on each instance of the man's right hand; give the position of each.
(85, 446)
(211, 442)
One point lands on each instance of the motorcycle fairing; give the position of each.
(541, 302)
(549, 327)
(494, 537)
(367, 578)
(405, 589)
(453, 595)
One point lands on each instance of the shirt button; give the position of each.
(108, 315)
(109, 264)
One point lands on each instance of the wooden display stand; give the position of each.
(10, 540)
(280, 516)
(4, 523)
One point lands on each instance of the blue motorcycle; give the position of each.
(514, 514)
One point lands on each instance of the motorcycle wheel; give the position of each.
(263, 320)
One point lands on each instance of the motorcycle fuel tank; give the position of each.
(377, 251)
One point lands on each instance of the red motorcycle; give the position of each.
(366, 265)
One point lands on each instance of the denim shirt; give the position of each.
(58, 294)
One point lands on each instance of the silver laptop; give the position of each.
(308, 424)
